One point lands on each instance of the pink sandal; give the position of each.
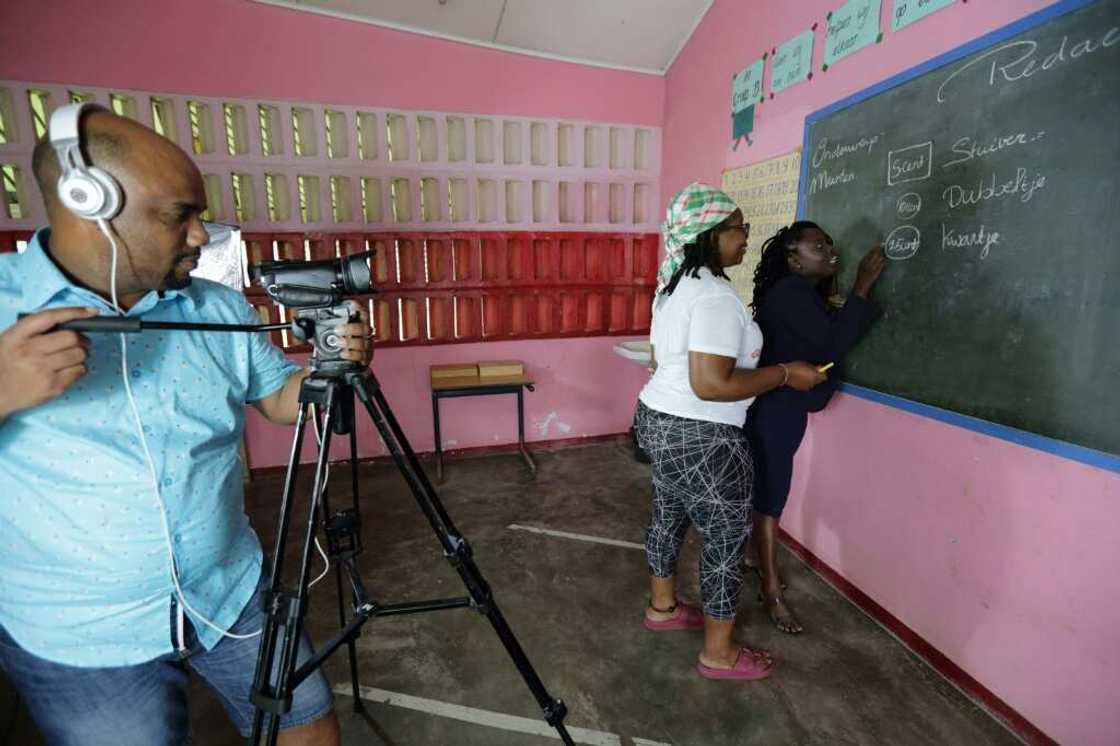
(684, 617)
(749, 666)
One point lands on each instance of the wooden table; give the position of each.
(452, 388)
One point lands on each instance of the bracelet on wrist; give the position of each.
(785, 371)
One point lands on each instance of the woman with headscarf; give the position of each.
(689, 421)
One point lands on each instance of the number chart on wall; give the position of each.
(990, 174)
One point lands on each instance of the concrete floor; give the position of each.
(576, 607)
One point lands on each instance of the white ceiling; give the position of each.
(638, 35)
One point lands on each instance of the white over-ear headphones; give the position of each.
(85, 190)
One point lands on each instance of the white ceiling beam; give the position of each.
(342, 15)
(687, 37)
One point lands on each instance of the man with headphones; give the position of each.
(125, 552)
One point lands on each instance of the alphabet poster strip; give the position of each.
(766, 192)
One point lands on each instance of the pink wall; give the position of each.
(1000, 556)
(236, 48)
(583, 389)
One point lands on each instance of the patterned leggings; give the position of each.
(702, 474)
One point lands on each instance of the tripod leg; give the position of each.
(337, 553)
(352, 647)
(454, 545)
(284, 619)
(268, 633)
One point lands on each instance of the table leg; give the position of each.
(521, 432)
(439, 444)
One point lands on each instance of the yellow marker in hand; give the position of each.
(824, 368)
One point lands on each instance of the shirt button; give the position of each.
(167, 481)
(147, 430)
(177, 538)
(135, 373)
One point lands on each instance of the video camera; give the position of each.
(320, 284)
(317, 292)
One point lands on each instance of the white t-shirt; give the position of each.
(703, 315)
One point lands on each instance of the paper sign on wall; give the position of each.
(746, 87)
(742, 122)
(746, 91)
(851, 27)
(906, 12)
(766, 192)
(792, 62)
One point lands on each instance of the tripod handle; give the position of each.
(119, 324)
(133, 325)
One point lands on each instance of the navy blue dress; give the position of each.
(796, 324)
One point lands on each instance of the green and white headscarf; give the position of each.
(695, 209)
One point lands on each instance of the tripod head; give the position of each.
(319, 327)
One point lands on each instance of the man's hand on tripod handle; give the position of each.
(357, 338)
(38, 364)
(282, 406)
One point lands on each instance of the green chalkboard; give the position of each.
(992, 180)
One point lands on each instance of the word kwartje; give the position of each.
(951, 238)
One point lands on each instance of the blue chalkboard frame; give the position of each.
(1060, 448)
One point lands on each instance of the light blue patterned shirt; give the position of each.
(85, 577)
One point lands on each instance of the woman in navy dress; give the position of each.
(794, 305)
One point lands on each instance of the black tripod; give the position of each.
(330, 393)
(330, 390)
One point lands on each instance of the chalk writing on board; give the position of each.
(1017, 60)
(909, 205)
(824, 179)
(902, 243)
(910, 164)
(1022, 186)
(953, 238)
(966, 148)
(826, 151)
(1026, 284)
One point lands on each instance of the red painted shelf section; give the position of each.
(444, 288)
